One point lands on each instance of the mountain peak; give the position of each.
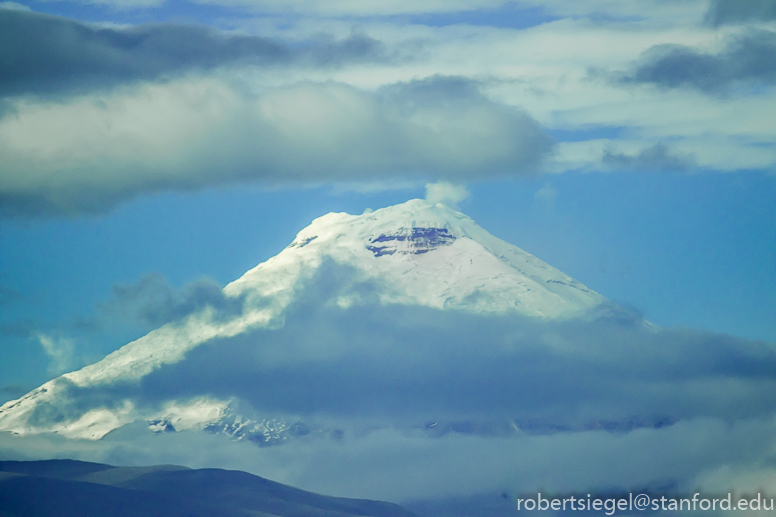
(412, 254)
(415, 226)
(415, 213)
(426, 254)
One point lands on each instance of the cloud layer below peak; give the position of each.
(472, 403)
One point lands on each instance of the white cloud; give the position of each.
(445, 192)
(60, 350)
(560, 73)
(366, 124)
(547, 70)
(546, 195)
(394, 465)
(90, 152)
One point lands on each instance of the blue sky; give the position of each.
(622, 142)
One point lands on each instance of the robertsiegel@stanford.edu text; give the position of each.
(643, 502)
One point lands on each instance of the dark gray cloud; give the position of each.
(655, 158)
(153, 301)
(746, 60)
(408, 366)
(44, 55)
(723, 12)
(437, 90)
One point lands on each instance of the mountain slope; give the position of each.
(412, 254)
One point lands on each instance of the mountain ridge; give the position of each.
(87, 489)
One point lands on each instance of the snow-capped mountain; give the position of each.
(412, 254)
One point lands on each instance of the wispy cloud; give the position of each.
(61, 352)
(546, 195)
(446, 192)
(654, 158)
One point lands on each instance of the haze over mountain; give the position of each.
(406, 353)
